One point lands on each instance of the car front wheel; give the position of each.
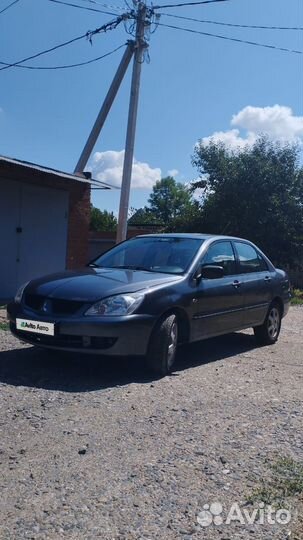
(163, 345)
(268, 333)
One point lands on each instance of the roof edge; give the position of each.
(78, 177)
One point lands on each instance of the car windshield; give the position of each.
(171, 255)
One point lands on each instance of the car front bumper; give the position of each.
(116, 336)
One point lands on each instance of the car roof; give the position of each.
(199, 236)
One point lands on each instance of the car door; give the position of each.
(256, 280)
(218, 303)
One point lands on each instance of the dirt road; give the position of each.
(96, 448)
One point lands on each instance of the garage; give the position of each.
(44, 222)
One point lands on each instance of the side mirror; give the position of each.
(209, 271)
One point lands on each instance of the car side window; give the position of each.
(249, 259)
(221, 254)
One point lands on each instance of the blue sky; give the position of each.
(194, 87)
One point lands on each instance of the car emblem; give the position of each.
(46, 306)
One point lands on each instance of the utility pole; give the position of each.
(131, 125)
(106, 106)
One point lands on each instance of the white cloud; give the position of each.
(277, 122)
(172, 172)
(199, 193)
(108, 167)
(231, 138)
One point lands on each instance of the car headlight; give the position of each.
(116, 306)
(19, 293)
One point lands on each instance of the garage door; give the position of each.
(9, 220)
(35, 223)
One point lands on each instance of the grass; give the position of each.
(297, 297)
(285, 481)
(283, 488)
(4, 325)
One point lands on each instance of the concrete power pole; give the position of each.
(111, 94)
(131, 125)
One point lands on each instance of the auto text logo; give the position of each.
(33, 326)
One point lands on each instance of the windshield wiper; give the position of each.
(94, 265)
(132, 267)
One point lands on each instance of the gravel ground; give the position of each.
(96, 448)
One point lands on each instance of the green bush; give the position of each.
(297, 297)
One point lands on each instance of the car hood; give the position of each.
(92, 284)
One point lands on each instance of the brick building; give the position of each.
(44, 222)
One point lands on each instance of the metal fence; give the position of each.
(296, 278)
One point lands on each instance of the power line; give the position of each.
(44, 52)
(189, 4)
(9, 5)
(110, 6)
(237, 40)
(82, 7)
(100, 4)
(231, 24)
(69, 65)
(88, 35)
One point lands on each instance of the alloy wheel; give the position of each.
(273, 326)
(172, 344)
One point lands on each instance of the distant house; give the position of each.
(44, 222)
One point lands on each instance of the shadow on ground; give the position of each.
(69, 372)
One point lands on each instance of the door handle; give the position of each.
(267, 279)
(236, 284)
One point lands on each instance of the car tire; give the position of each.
(268, 332)
(163, 345)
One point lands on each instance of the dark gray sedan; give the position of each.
(150, 293)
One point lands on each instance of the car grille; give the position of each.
(65, 341)
(55, 306)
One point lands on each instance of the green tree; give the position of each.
(143, 216)
(189, 220)
(102, 220)
(169, 200)
(256, 193)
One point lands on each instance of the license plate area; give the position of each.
(36, 327)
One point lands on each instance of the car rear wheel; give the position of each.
(163, 345)
(268, 333)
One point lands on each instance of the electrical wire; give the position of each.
(189, 4)
(69, 65)
(256, 44)
(82, 7)
(88, 35)
(233, 25)
(44, 52)
(9, 5)
(127, 4)
(110, 6)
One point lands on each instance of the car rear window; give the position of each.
(249, 259)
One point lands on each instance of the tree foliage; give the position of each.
(168, 204)
(169, 200)
(102, 220)
(255, 193)
(144, 216)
